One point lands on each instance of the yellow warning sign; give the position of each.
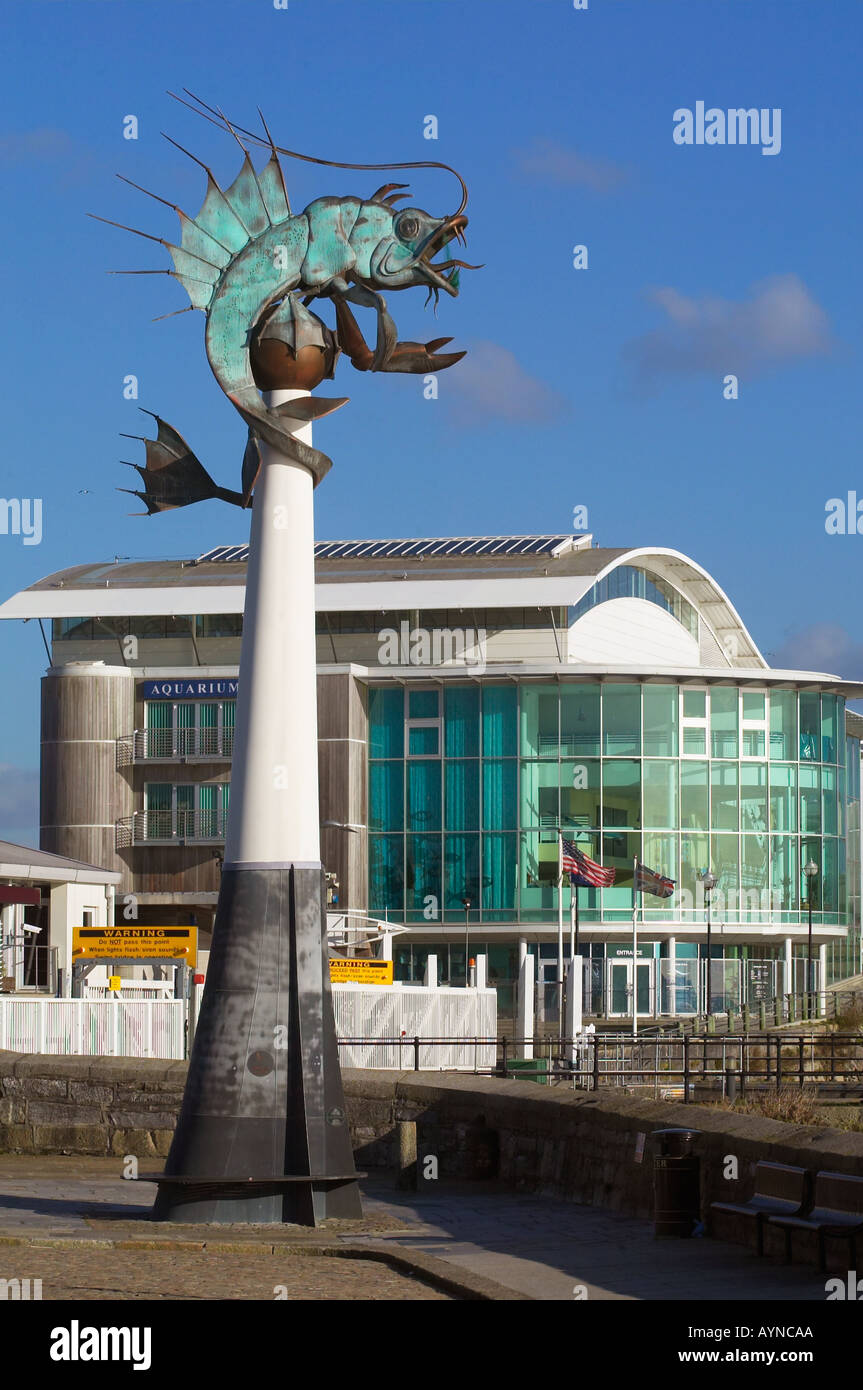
(367, 972)
(136, 943)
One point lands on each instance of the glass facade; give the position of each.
(469, 783)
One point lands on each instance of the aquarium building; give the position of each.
(477, 695)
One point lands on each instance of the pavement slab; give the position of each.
(91, 1229)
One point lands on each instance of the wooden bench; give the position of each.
(837, 1210)
(780, 1190)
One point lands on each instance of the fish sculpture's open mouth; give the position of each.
(443, 275)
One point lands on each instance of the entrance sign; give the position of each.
(136, 943)
(367, 972)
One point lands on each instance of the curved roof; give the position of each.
(454, 572)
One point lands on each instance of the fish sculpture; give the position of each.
(253, 267)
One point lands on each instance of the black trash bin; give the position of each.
(676, 1182)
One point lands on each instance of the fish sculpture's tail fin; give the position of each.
(172, 475)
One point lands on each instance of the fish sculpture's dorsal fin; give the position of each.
(247, 200)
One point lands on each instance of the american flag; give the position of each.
(646, 881)
(583, 872)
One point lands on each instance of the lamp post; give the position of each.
(465, 902)
(709, 883)
(810, 869)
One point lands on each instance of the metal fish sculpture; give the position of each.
(253, 267)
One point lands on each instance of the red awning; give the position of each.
(17, 893)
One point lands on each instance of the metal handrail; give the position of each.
(173, 745)
(772, 1060)
(177, 826)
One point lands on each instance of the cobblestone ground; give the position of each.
(180, 1275)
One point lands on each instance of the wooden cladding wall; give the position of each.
(342, 764)
(82, 794)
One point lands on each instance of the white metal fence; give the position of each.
(130, 989)
(388, 1019)
(94, 1027)
(381, 1024)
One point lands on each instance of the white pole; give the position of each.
(273, 817)
(560, 931)
(634, 949)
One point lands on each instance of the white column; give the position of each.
(822, 967)
(386, 945)
(522, 950)
(787, 971)
(524, 1018)
(274, 816)
(574, 1021)
(482, 972)
(430, 976)
(672, 973)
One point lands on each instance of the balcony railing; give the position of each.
(170, 827)
(175, 745)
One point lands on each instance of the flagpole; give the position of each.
(560, 931)
(635, 947)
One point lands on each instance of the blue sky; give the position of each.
(601, 386)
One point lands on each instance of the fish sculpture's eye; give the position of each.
(408, 228)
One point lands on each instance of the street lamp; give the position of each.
(709, 883)
(810, 870)
(465, 902)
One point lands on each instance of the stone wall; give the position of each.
(576, 1145)
(88, 1105)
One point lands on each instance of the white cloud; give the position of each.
(490, 383)
(778, 321)
(550, 162)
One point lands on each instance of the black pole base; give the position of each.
(262, 1134)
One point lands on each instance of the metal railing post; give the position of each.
(595, 1044)
(416, 1054)
(685, 1069)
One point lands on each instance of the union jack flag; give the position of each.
(583, 872)
(646, 881)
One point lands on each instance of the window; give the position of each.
(621, 719)
(723, 722)
(539, 720)
(621, 793)
(423, 724)
(660, 794)
(661, 703)
(783, 724)
(693, 795)
(579, 720)
(189, 728)
(386, 722)
(724, 792)
(694, 723)
(186, 811)
(810, 727)
(580, 793)
(753, 722)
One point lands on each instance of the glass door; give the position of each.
(620, 988)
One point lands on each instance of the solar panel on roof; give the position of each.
(396, 549)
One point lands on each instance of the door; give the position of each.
(620, 988)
